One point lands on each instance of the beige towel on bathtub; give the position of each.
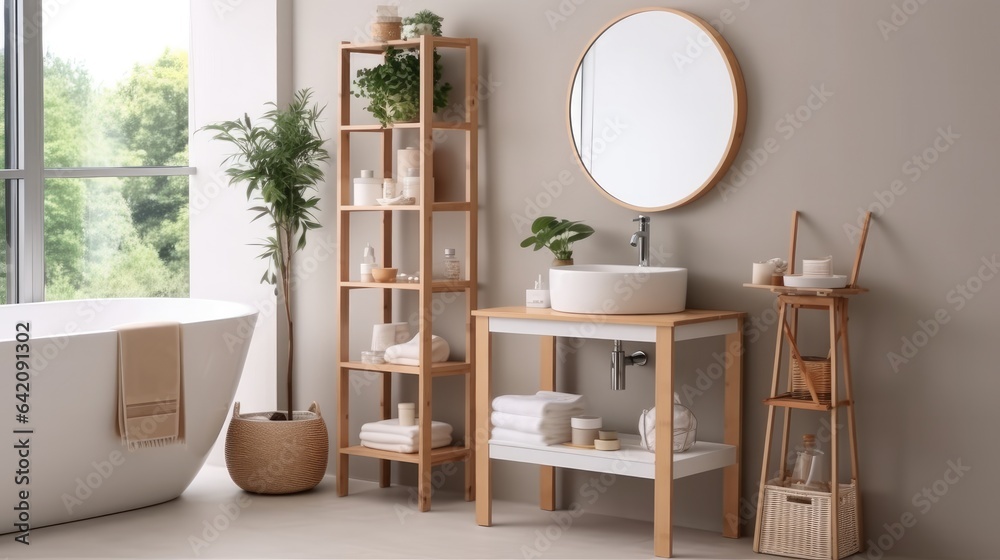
(150, 387)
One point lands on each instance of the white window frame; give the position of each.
(26, 178)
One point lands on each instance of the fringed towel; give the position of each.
(150, 387)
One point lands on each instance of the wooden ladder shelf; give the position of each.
(834, 303)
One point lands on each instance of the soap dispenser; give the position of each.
(538, 297)
(368, 263)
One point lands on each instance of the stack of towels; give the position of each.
(541, 419)
(388, 435)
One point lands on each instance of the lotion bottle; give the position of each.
(368, 263)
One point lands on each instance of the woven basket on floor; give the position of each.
(819, 371)
(796, 523)
(267, 456)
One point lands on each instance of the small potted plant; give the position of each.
(279, 161)
(393, 87)
(557, 236)
(424, 22)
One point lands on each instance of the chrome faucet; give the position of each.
(640, 239)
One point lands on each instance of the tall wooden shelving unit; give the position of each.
(425, 210)
(789, 522)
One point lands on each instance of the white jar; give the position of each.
(407, 414)
(388, 188)
(411, 184)
(367, 189)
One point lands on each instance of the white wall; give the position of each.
(891, 93)
(234, 69)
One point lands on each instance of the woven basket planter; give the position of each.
(818, 370)
(796, 523)
(267, 456)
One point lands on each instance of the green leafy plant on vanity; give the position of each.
(557, 236)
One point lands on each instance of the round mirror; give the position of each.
(657, 109)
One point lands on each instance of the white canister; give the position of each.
(406, 158)
(762, 272)
(367, 189)
(585, 429)
(407, 414)
(388, 188)
(411, 183)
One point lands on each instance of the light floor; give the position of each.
(370, 523)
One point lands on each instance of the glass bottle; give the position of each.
(809, 472)
(452, 266)
(368, 263)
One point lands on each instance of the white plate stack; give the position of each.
(816, 273)
(818, 267)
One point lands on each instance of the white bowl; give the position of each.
(617, 289)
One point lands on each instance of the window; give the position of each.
(101, 197)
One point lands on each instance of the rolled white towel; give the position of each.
(391, 426)
(541, 404)
(398, 448)
(501, 434)
(533, 424)
(437, 440)
(408, 353)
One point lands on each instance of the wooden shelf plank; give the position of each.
(457, 206)
(786, 400)
(631, 460)
(398, 207)
(808, 291)
(452, 206)
(379, 48)
(439, 369)
(437, 286)
(448, 454)
(437, 125)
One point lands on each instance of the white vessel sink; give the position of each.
(617, 289)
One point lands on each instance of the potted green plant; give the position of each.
(279, 160)
(557, 236)
(393, 87)
(424, 22)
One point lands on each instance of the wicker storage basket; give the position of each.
(819, 370)
(796, 523)
(277, 457)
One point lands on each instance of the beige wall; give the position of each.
(893, 90)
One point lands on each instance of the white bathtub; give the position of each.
(75, 465)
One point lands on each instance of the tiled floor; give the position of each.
(214, 519)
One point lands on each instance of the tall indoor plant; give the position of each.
(279, 159)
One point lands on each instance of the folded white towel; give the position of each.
(408, 353)
(556, 424)
(391, 426)
(515, 436)
(437, 440)
(398, 448)
(541, 404)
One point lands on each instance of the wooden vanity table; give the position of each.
(662, 467)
